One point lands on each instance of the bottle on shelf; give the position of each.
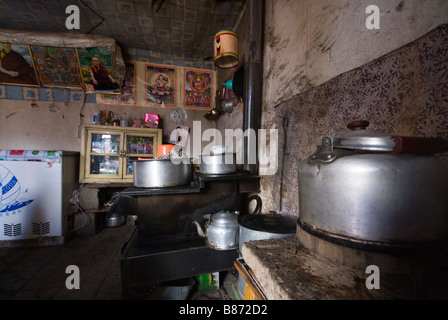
(124, 120)
(96, 118)
(116, 120)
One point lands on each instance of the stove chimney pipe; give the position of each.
(253, 74)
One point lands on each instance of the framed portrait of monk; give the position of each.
(16, 65)
(129, 93)
(96, 71)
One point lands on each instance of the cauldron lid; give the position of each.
(360, 138)
(272, 223)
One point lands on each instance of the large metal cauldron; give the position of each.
(367, 189)
(264, 226)
(161, 173)
(260, 227)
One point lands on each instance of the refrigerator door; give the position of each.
(31, 199)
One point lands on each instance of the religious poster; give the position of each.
(16, 65)
(160, 86)
(129, 92)
(198, 88)
(57, 67)
(96, 72)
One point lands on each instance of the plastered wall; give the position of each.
(309, 42)
(46, 127)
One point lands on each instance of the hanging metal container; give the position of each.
(226, 49)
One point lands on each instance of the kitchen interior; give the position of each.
(340, 194)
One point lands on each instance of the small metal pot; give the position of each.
(115, 220)
(218, 163)
(161, 173)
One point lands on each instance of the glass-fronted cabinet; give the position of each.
(107, 153)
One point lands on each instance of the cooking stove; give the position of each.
(165, 245)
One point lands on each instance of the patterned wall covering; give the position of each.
(402, 93)
(168, 30)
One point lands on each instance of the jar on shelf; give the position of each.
(137, 122)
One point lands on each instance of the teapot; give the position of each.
(221, 230)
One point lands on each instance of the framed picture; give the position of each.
(16, 65)
(129, 93)
(198, 88)
(96, 73)
(160, 85)
(57, 67)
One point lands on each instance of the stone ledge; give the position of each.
(287, 271)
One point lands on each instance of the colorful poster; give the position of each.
(57, 67)
(16, 65)
(160, 86)
(198, 88)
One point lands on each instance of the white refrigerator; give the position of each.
(36, 187)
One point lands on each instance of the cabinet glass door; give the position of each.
(130, 165)
(104, 154)
(138, 147)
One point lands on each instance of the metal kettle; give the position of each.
(221, 230)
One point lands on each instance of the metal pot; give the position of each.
(265, 226)
(212, 114)
(218, 163)
(260, 227)
(115, 220)
(370, 190)
(221, 230)
(161, 173)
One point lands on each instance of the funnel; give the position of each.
(229, 84)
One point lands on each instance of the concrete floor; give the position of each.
(39, 273)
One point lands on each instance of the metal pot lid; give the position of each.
(224, 216)
(360, 138)
(272, 223)
(218, 159)
(226, 155)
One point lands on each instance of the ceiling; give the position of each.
(184, 29)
